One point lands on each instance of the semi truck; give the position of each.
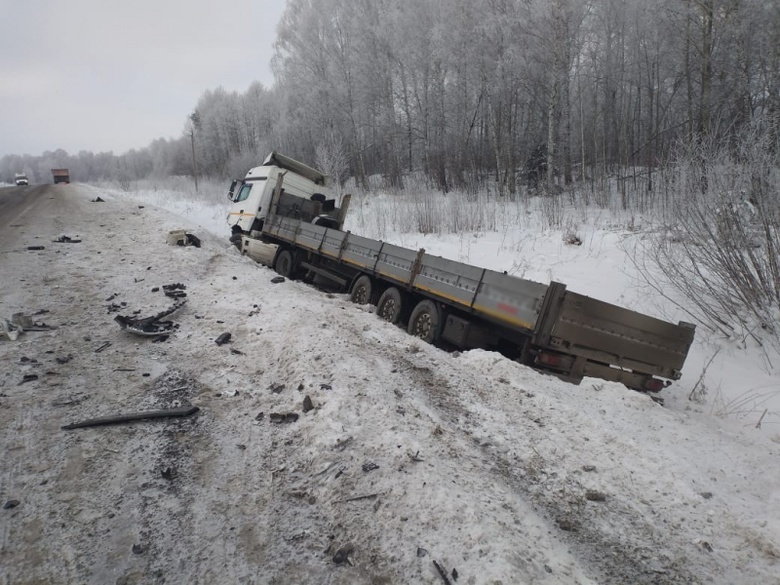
(60, 175)
(284, 215)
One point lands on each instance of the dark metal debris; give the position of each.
(150, 325)
(223, 338)
(342, 555)
(66, 240)
(278, 417)
(123, 418)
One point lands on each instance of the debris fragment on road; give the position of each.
(63, 239)
(123, 418)
(175, 290)
(223, 338)
(150, 326)
(182, 238)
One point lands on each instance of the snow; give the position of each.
(482, 465)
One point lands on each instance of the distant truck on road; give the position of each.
(60, 176)
(21, 179)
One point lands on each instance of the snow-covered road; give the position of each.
(410, 457)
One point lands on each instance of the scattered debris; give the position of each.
(175, 290)
(706, 546)
(370, 466)
(160, 339)
(36, 247)
(326, 387)
(706, 495)
(228, 393)
(421, 552)
(278, 417)
(307, 404)
(416, 457)
(566, 524)
(70, 400)
(124, 369)
(342, 444)
(168, 473)
(236, 351)
(139, 549)
(66, 240)
(155, 289)
(19, 323)
(10, 330)
(260, 416)
(277, 280)
(150, 326)
(64, 360)
(123, 418)
(442, 573)
(97, 200)
(276, 388)
(102, 347)
(11, 504)
(182, 238)
(588, 468)
(241, 446)
(223, 338)
(28, 378)
(342, 555)
(595, 496)
(454, 574)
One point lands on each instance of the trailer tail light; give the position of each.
(654, 385)
(549, 359)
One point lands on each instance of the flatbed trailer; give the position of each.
(440, 300)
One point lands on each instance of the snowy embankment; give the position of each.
(410, 455)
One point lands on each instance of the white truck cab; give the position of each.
(303, 192)
(21, 179)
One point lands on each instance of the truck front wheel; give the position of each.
(425, 322)
(284, 264)
(391, 305)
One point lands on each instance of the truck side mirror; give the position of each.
(232, 189)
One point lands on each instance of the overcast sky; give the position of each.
(105, 75)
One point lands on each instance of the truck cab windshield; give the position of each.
(243, 193)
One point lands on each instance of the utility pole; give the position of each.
(194, 162)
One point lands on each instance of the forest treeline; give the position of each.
(474, 92)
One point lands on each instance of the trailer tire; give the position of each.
(284, 264)
(391, 306)
(425, 321)
(362, 291)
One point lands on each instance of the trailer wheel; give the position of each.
(284, 264)
(392, 305)
(362, 291)
(425, 321)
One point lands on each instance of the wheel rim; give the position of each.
(284, 265)
(422, 326)
(387, 312)
(361, 295)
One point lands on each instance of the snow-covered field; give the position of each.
(410, 457)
